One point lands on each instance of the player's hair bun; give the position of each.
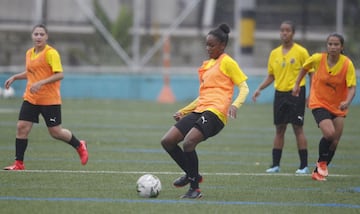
(221, 32)
(225, 28)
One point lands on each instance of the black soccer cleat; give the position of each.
(184, 180)
(192, 194)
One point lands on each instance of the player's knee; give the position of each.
(22, 129)
(166, 143)
(330, 135)
(55, 133)
(189, 146)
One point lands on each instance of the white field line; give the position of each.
(173, 173)
(8, 110)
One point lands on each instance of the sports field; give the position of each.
(124, 143)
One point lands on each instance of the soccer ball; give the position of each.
(8, 93)
(148, 186)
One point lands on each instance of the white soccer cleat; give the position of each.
(273, 169)
(304, 170)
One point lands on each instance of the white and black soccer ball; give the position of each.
(148, 186)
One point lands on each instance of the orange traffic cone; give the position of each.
(166, 95)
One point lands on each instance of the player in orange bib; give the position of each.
(333, 86)
(43, 73)
(207, 114)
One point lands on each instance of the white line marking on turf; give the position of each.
(174, 173)
(8, 110)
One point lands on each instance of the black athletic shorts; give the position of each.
(50, 113)
(206, 122)
(321, 114)
(288, 108)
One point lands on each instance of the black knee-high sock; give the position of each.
(303, 154)
(193, 168)
(331, 155)
(74, 142)
(20, 147)
(179, 157)
(324, 146)
(276, 156)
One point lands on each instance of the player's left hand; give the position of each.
(343, 106)
(35, 87)
(177, 116)
(232, 112)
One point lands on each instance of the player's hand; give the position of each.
(8, 82)
(255, 95)
(177, 116)
(35, 87)
(232, 112)
(296, 91)
(343, 106)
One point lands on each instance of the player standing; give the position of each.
(284, 65)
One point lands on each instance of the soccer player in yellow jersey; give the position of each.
(333, 86)
(43, 73)
(208, 113)
(284, 65)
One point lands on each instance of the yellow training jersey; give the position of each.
(41, 66)
(286, 67)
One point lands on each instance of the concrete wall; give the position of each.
(138, 87)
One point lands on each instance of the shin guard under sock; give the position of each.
(276, 156)
(193, 168)
(179, 157)
(303, 154)
(74, 142)
(20, 147)
(331, 155)
(324, 146)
